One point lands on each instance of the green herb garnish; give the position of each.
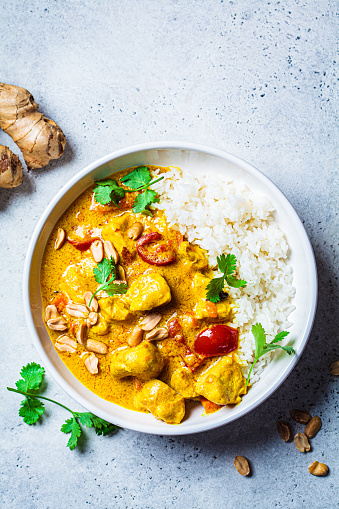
(139, 179)
(31, 408)
(261, 347)
(107, 191)
(226, 264)
(105, 274)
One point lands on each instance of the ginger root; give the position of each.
(39, 138)
(10, 168)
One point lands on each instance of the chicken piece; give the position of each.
(114, 308)
(78, 279)
(143, 361)
(183, 382)
(148, 291)
(116, 232)
(193, 255)
(223, 383)
(162, 401)
(100, 328)
(204, 308)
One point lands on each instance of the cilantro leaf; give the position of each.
(72, 426)
(227, 265)
(143, 200)
(103, 427)
(32, 376)
(116, 289)
(31, 409)
(107, 191)
(104, 270)
(137, 178)
(261, 347)
(85, 418)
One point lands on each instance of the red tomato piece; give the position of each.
(157, 256)
(217, 340)
(174, 327)
(81, 245)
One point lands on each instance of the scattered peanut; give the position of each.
(136, 337)
(301, 442)
(60, 239)
(92, 319)
(110, 251)
(335, 368)
(318, 469)
(51, 312)
(241, 464)
(65, 344)
(121, 273)
(81, 333)
(157, 334)
(150, 321)
(284, 430)
(313, 427)
(91, 362)
(135, 231)
(77, 310)
(94, 304)
(58, 323)
(97, 251)
(300, 416)
(96, 346)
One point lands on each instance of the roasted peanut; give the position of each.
(91, 362)
(110, 251)
(157, 334)
(301, 442)
(284, 430)
(60, 239)
(335, 368)
(150, 321)
(96, 346)
(77, 310)
(94, 304)
(65, 344)
(135, 231)
(81, 333)
(92, 319)
(241, 464)
(318, 469)
(58, 323)
(97, 251)
(136, 337)
(300, 416)
(313, 427)
(51, 312)
(121, 273)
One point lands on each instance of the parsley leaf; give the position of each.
(137, 178)
(107, 191)
(144, 200)
(30, 410)
(227, 265)
(72, 426)
(261, 347)
(32, 376)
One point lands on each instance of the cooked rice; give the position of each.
(224, 216)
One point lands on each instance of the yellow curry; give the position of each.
(125, 305)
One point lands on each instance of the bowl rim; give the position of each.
(167, 145)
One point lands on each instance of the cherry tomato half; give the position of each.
(160, 254)
(217, 340)
(81, 245)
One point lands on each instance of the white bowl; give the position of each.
(194, 158)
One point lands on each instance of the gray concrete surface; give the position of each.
(254, 78)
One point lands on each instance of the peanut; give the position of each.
(300, 416)
(150, 321)
(60, 239)
(136, 337)
(96, 346)
(318, 469)
(97, 251)
(313, 427)
(110, 251)
(94, 303)
(241, 464)
(284, 430)
(135, 231)
(301, 442)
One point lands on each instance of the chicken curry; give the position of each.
(125, 305)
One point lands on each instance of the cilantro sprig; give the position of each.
(261, 347)
(105, 274)
(107, 191)
(32, 408)
(226, 264)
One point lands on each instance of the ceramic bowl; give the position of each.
(194, 158)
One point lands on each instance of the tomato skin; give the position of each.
(216, 340)
(154, 257)
(81, 245)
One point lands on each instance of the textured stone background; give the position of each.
(254, 78)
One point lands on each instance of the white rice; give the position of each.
(223, 216)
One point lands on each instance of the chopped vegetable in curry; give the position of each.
(125, 304)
